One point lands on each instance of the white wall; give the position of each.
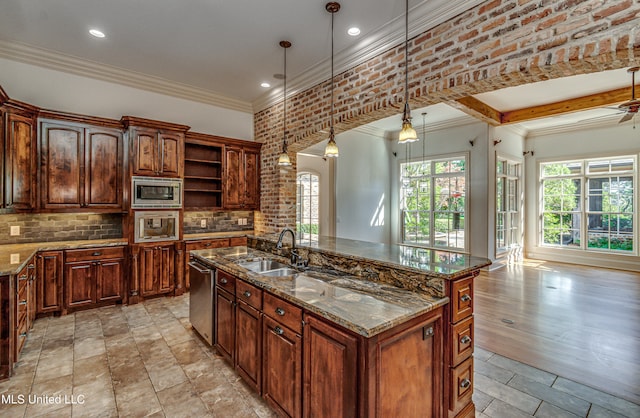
(587, 142)
(55, 90)
(362, 188)
(319, 166)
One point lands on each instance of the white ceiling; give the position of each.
(227, 48)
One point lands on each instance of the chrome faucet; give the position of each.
(296, 260)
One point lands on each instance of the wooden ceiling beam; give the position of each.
(479, 110)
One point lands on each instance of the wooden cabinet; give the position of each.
(203, 182)
(19, 161)
(6, 326)
(25, 309)
(81, 167)
(156, 148)
(156, 269)
(248, 328)
(49, 282)
(202, 244)
(242, 177)
(94, 277)
(330, 370)
(225, 316)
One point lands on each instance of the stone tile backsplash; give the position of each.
(60, 227)
(217, 221)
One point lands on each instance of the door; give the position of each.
(62, 179)
(103, 178)
(148, 271)
(49, 270)
(109, 275)
(145, 151)
(225, 324)
(80, 284)
(252, 179)
(248, 338)
(233, 184)
(165, 260)
(170, 153)
(282, 368)
(21, 163)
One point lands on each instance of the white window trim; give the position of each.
(521, 209)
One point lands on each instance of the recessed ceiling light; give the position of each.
(265, 85)
(97, 33)
(353, 31)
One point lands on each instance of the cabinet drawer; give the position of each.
(461, 299)
(237, 241)
(94, 254)
(22, 303)
(23, 277)
(226, 281)
(461, 385)
(210, 243)
(249, 293)
(462, 341)
(283, 312)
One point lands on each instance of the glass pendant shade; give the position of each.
(331, 150)
(284, 160)
(407, 134)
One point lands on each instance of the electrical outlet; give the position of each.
(203, 223)
(15, 258)
(15, 230)
(239, 221)
(244, 221)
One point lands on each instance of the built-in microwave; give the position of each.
(155, 192)
(154, 226)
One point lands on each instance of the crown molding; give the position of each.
(599, 122)
(422, 17)
(69, 64)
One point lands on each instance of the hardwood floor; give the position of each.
(578, 322)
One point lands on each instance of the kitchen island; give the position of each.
(368, 330)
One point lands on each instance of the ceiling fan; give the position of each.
(630, 107)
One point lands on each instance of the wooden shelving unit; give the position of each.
(202, 173)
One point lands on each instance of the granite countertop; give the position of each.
(214, 235)
(26, 251)
(364, 307)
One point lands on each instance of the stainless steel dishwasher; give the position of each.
(201, 299)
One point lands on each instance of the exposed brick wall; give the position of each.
(498, 44)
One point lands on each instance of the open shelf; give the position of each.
(202, 175)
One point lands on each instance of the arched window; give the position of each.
(307, 207)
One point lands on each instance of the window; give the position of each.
(432, 202)
(508, 204)
(588, 204)
(307, 204)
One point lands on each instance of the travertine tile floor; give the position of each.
(144, 360)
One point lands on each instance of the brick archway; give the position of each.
(498, 44)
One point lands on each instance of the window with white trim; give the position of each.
(589, 204)
(508, 204)
(433, 202)
(307, 207)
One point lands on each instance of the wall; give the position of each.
(60, 227)
(363, 172)
(55, 90)
(216, 221)
(321, 167)
(591, 141)
(500, 43)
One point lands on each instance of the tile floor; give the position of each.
(144, 360)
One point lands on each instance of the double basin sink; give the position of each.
(267, 267)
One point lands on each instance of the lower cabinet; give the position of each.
(6, 327)
(50, 267)
(156, 269)
(25, 306)
(203, 244)
(248, 353)
(93, 277)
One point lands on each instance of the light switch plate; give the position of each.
(15, 230)
(203, 223)
(15, 258)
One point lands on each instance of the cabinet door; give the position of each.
(252, 179)
(166, 270)
(103, 159)
(170, 153)
(49, 293)
(148, 271)
(145, 151)
(20, 163)
(413, 355)
(80, 284)
(233, 184)
(109, 280)
(224, 340)
(62, 178)
(282, 368)
(248, 338)
(330, 370)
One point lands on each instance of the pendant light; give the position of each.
(407, 134)
(284, 160)
(331, 150)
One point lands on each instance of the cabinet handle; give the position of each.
(465, 298)
(280, 311)
(465, 383)
(22, 302)
(465, 339)
(278, 330)
(22, 277)
(208, 244)
(247, 294)
(97, 253)
(224, 281)
(23, 335)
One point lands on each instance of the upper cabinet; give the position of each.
(82, 166)
(242, 176)
(18, 142)
(157, 148)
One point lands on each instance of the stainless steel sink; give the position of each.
(262, 266)
(285, 271)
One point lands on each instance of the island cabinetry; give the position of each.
(225, 315)
(459, 375)
(282, 356)
(248, 354)
(50, 265)
(81, 166)
(25, 306)
(156, 148)
(242, 177)
(93, 277)
(204, 244)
